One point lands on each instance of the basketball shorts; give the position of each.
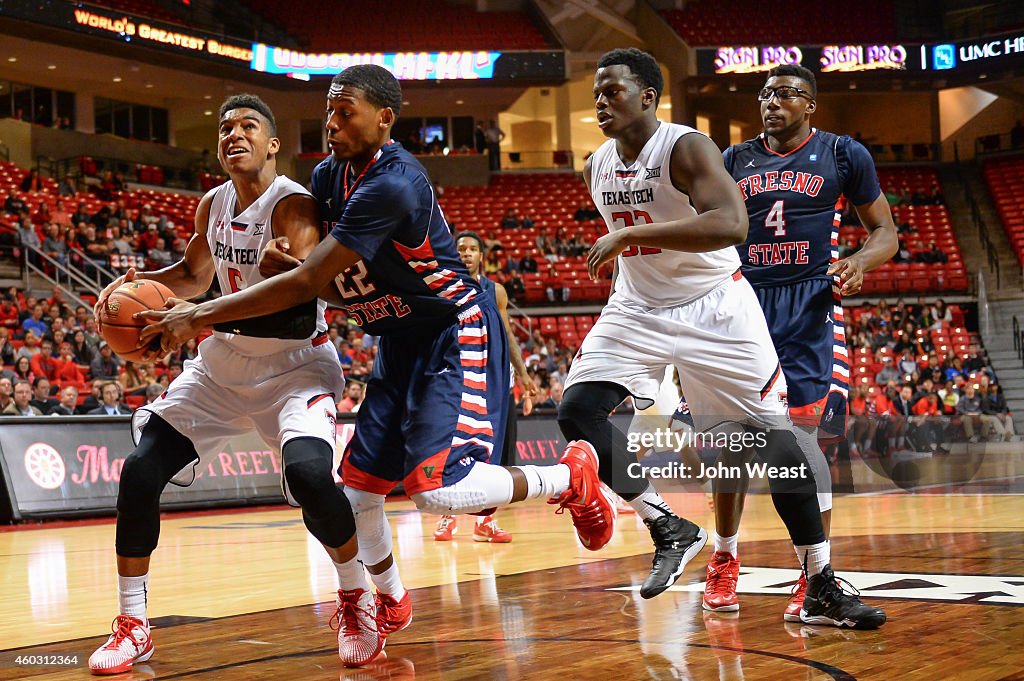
(719, 344)
(436, 403)
(807, 326)
(222, 394)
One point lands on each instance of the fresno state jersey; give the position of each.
(792, 203)
(643, 193)
(236, 242)
(410, 274)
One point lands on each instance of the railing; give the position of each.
(1018, 339)
(69, 279)
(521, 314)
(990, 144)
(984, 311)
(991, 252)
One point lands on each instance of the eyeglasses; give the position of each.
(785, 93)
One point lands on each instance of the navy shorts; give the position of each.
(806, 324)
(436, 403)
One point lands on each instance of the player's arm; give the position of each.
(329, 259)
(881, 244)
(189, 277)
(296, 223)
(721, 220)
(515, 354)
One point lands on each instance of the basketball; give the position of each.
(118, 325)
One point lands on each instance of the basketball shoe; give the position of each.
(359, 637)
(826, 602)
(592, 513)
(488, 530)
(676, 541)
(796, 600)
(720, 588)
(393, 615)
(445, 528)
(131, 642)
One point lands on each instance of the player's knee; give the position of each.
(141, 481)
(307, 472)
(782, 451)
(436, 501)
(578, 411)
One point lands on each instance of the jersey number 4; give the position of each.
(776, 219)
(637, 217)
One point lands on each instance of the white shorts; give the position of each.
(719, 344)
(222, 394)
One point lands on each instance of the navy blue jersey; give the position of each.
(410, 274)
(791, 201)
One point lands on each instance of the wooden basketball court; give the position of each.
(248, 595)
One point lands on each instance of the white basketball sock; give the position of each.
(728, 545)
(132, 595)
(544, 482)
(814, 557)
(389, 582)
(650, 506)
(351, 575)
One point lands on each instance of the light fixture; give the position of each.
(149, 85)
(12, 59)
(51, 67)
(207, 96)
(853, 85)
(405, 102)
(459, 101)
(117, 79)
(588, 119)
(732, 87)
(665, 105)
(207, 113)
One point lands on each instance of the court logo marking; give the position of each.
(979, 589)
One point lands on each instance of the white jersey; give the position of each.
(236, 242)
(643, 193)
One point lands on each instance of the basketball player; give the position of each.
(436, 400)
(792, 178)
(471, 252)
(276, 374)
(674, 217)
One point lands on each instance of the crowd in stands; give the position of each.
(917, 378)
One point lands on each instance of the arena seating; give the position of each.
(1004, 177)
(802, 22)
(929, 222)
(402, 25)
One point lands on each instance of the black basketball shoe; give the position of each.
(826, 602)
(676, 542)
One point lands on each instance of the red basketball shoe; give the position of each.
(720, 588)
(592, 513)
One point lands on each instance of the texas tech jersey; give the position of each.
(236, 242)
(791, 201)
(643, 193)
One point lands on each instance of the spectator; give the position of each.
(969, 410)
(23, 369)
(20, 405)
(927, 422)
(54, 244)
(941, 314)
(9, 318)
(510, 220)
(528, 264)
(32, 182)
(903, 254)
(154, 391)
(515, 287)
(353, 398)
(134, 379)
(585, 212)
(993, 404)
(527, 222)
(493, 135)
(933, 255)
(158, 256)
(92, 334)
(67, 186)
(6, 347)
(29, 348)
(81, 350)
(6, 393)
(13, 204)
(110, 405)
(888, 372)
(41, 399)
(68, 402)
(556, 290)
(554, 397)
(148, 239)
(69, 372)
(105, 365)
(43, 363)
(93, 399)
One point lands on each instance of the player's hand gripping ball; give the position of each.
(118, 324)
